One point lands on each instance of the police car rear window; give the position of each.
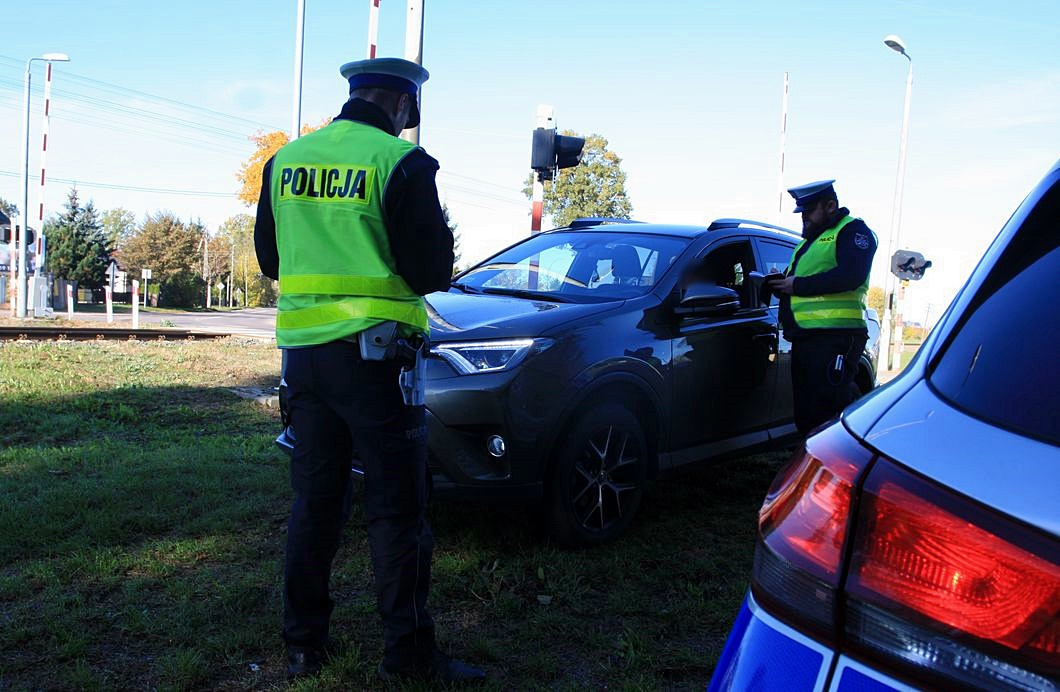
(1001, 364)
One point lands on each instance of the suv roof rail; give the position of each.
(598, 221)
(719, 224)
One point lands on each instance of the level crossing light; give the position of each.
(24, 211)
(891, 314)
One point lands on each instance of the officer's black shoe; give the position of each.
(305, 662)
(439, 668)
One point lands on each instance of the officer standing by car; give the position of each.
(822, 303)
(349, 222)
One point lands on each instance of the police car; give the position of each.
(915, 543)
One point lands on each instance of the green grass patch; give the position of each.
(144, 517)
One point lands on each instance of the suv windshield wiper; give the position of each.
(523, 293)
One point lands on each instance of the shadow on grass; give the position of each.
(142, 537)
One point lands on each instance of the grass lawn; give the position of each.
(142, 528)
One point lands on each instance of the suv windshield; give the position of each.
(1000, 365)
(581, 266)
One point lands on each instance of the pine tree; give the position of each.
(456, 238)
(77, 247)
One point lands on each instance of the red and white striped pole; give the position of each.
(373, 27)
(783, 136)
(43, 153)
(545, 120)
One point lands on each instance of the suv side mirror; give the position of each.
(705, 299)
(757, 296)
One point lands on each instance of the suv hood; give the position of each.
(457, 316)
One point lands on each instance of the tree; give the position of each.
(216, 252)
(170, 249)
(118, 225)
(595, 187)
(248, 283)
(874, 299)
(267, 144)
(77, 247)
(8, 208)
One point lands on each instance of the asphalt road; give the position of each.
(256, 322)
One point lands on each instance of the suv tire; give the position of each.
(598, 477)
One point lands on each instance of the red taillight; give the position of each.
(805, 514)
(803, 525)
(952, 571)
(968, 574)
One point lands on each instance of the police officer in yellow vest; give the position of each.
(349, 222)
(822, 303)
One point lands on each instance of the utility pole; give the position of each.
(299, 40)
(231, 268)
(206, 264)
(414, 53)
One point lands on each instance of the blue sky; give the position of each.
(155, 108)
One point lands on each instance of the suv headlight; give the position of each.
(470, 357)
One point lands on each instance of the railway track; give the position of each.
(102, 334)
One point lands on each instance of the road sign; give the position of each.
(908, 265)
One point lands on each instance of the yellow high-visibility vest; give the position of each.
(337, 272)
(833, 310)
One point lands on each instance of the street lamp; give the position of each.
(22, 277)
(892, 325)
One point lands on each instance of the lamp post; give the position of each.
(892, 325)
(22, 276)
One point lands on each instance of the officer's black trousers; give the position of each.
(340, 405)
(822, 384)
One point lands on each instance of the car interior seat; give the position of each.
(625, 265)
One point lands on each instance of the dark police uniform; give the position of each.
(349, 222)
(824, 318)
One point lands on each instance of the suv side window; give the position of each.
(775, 258)
(728, 265)
(999, 364)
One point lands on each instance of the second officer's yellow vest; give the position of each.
(834, 310)
(337, 272)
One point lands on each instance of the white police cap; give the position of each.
(806, 195)
(392, 74)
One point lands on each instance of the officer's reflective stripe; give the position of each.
(829, 311)
(822, 322)
(829, 302)
(339, 285)
(325, 183)
(407, 313)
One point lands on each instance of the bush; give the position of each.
(183, 290)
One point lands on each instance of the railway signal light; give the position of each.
(551, 151)
(6, 236)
